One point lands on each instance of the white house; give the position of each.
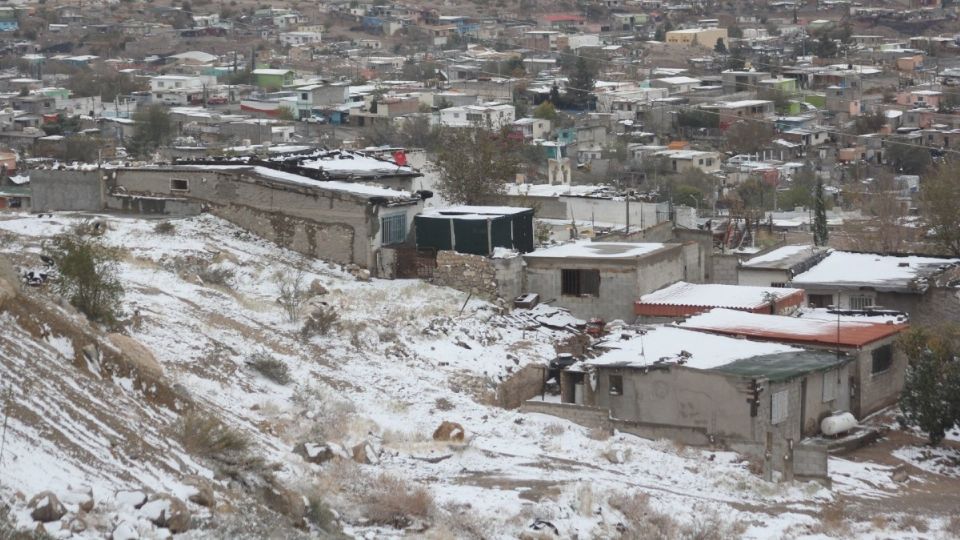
(491, 115)
(296, 39)
(179, 89)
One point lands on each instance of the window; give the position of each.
(882, 359)
(394, 229)
(303, 96)
(779, 407)
(616, 385)
(580, 282)
(830, 383)
(820, 300)
(179, 184)
(861, 302)
(778, 284)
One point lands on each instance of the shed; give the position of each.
(477, 230)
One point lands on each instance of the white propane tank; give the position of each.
(839, 422)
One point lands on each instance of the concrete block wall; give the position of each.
(74, 190)
(588, 417)
(724, 269)
(484, 276)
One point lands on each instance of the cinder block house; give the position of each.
(602, 279)
(877, 372)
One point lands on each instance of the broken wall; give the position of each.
(484, 276)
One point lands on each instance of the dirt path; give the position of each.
(924, 493)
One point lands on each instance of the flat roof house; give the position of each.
(477, 230)
(777, 267)
(700, 388)
(601, 279)
(876, 377)
(342, 222)
(864, 280)
(684, 299)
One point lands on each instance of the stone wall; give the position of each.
(525, 384)
(486, 277)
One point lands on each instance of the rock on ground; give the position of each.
(46, 507)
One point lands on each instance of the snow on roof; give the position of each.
(268, 71)
(363, 190)
(882, 272)
(792, 329)
(598, 250)
(679, 80)
(783, 258)
(485, 211)
(704, 351)
(198, 56)
(343, 163)
(554, 190)
(715, 294)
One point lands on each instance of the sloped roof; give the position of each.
(716, 295)
(890, 273)
(795, 330)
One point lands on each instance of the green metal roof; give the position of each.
(15, 191)
(784, 366)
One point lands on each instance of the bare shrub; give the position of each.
(321, 516)
(585, 499)
(319, 322)
(329, 417)
(642, 521)
(953, 527)
(599, 433)
(216, 275)
(207, 437)
(913, 522)
(272, 368)
(555, 430)
(293, 293)
(392, 501)
(443, 404)
(833, 519)
(711, 526)
(164, 227)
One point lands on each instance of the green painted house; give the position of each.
(273, 78)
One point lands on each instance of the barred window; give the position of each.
(861, 302)
(394, 229)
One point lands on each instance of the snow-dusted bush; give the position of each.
(270, 367)
(393, 501)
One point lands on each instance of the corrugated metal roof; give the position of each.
(794, 330)
(716, 295)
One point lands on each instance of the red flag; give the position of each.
(400, 158)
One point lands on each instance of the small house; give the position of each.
(684, 299)
(699, 388)
(877, 374)
(601, 279)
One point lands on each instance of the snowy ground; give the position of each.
(404, 356)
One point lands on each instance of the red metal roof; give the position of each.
(793, 330)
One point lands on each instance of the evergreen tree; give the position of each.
(931, 388)
(820, 232)
(153, 128)
(581, 83)
(720, 48)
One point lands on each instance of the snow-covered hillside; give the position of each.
(402, 357)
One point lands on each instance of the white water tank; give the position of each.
(838, 422)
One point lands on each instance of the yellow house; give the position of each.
(703, 37)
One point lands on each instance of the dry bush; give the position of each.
(711, 526)
(321, 516)
(459, 521)
(913, 522)
(555, 430)
(642, 521)
(880, 522)
(324, 417)
(443, 404)
(585, 504)
(953, 527)
(392, 501)
(319, 322)
(216, 275)
(833, 519)
(207, 437)
(164, 227)
(270, 367)
(599, 433)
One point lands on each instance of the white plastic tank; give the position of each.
(838, 422)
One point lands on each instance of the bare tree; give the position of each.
(747, 136)
(293, 293)
(475, 164)
(940, 213)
